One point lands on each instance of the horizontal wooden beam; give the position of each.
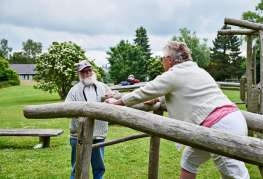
(131, 87)
(243, 23)
(238, 32)
(239, 147)
(117, 141)
(254, 121)
(229, 84)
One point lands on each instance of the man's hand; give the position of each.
(114, 101)
(109, 94)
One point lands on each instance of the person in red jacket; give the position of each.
(131, 79)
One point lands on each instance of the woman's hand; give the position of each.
(152, 101)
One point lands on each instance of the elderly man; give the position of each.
(192, 95)
(89, 89)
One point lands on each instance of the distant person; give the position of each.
(91, 90)
(130, 81)
(192, 95)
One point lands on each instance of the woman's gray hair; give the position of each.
(178, 51)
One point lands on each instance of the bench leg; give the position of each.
(45, 141)
(261, 170)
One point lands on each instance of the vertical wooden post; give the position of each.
(261, 84)
(249, 75)
(249, 60)
(249, 68)
(261, 71)
(254, 65)
(79, 149)
(153, 167)
(243, 81)
(85, 148)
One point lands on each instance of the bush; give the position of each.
(8, 77)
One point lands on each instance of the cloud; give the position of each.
(119, 16)
(98, 25)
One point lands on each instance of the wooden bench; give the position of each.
(43, 134)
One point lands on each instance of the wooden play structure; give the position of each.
(244, 148)
(250, 91)
(155, 126)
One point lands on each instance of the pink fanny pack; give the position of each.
(217, 114)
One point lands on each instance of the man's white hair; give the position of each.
(89, 80)
(178, 51)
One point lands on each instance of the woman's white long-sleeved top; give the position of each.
(190, 92)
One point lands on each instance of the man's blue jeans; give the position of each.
(97, 157)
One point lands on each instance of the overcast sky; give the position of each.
(98, 25)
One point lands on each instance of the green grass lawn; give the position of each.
(18, 159)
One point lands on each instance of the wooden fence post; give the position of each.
(153, 167)
(249, 75)
(243, 90)
(261, 70)
(254, 65)
(261, 83)
(249, 64)
(84, 149)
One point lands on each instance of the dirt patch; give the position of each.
(28, 82)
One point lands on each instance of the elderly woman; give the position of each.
(192, 95)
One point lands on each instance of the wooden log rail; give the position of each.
(132, 87)
(117, 141)
(237, 32)
(244, 23)
(239, 147)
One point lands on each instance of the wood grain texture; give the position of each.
(243, 23)
(238, 32)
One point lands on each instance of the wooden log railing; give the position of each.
(244, 23)
(239, 147)
(131, 87)
(237, 32)
(124, 139)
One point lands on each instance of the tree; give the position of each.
(142, 40)
(226, 62)
(55, 70)
(31, 48)
(20, 58)
(200, 50)
(256, 16)
(30, 51)
(155, 67)
(126, 59)
(4, 49)
(7, 76)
